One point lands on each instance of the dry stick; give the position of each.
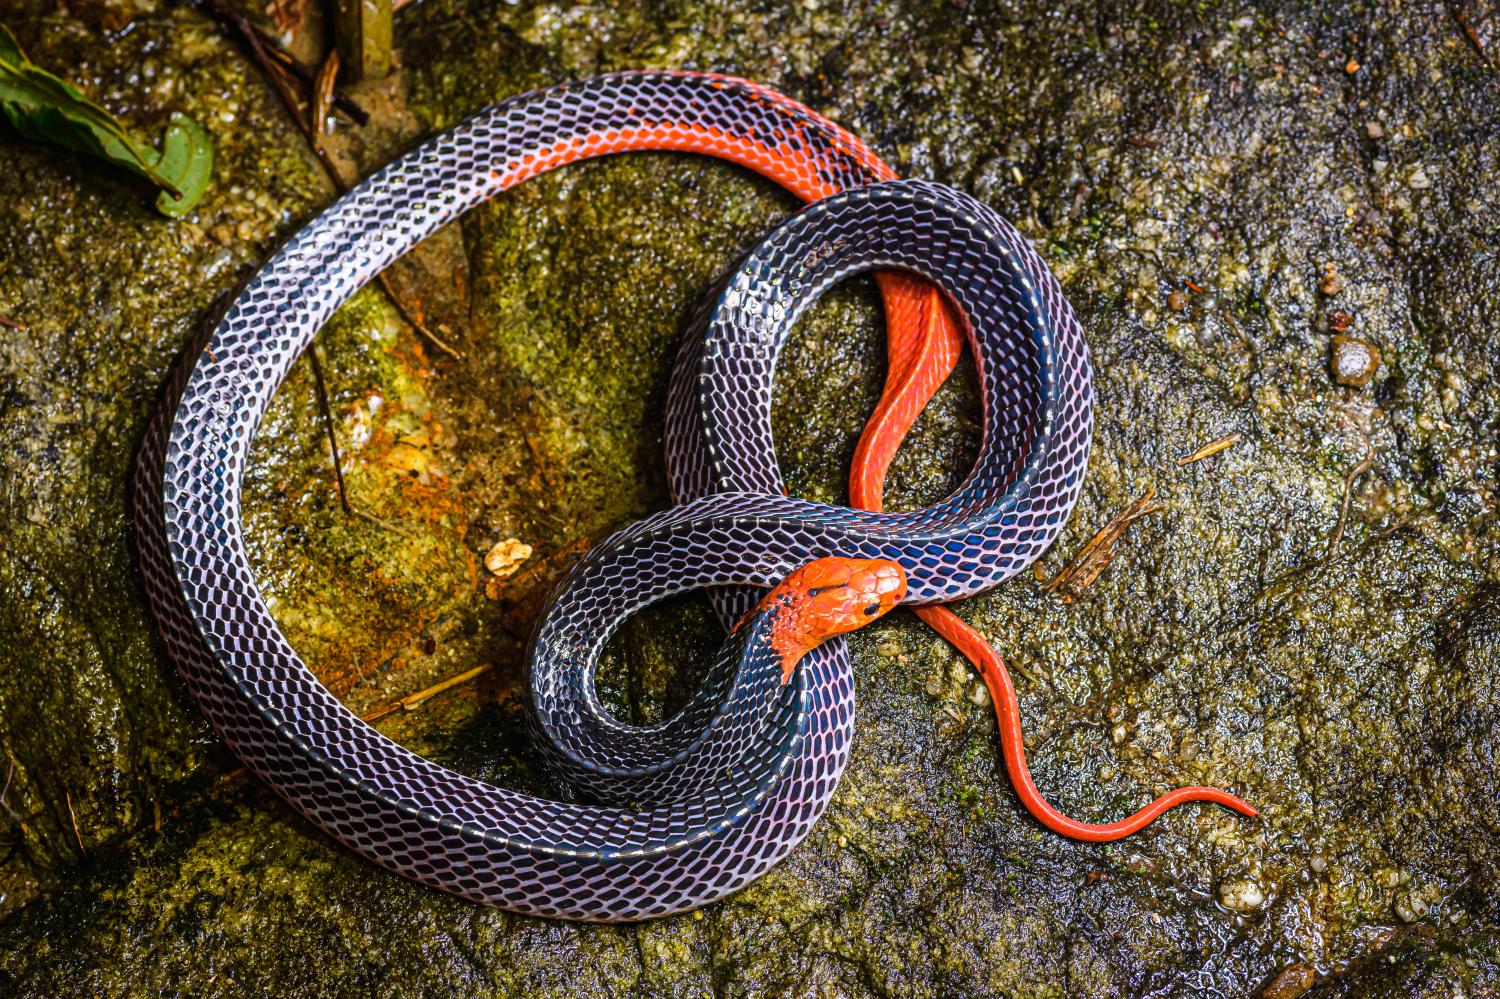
(321, 388)
(1096, 555)
(284, 59)
(11, 324)
(341, 101)
(1360, 468)
(1212, 448)
(5, 791)
(413, 701)
(322, 91)
(294, 108)
(76, 834)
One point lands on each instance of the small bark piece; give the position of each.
(363, 28)
(1212, 448)
(1095, 557)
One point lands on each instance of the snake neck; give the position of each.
(827, 597)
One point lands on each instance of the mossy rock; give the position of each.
(1349, 686)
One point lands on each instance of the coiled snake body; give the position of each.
(694, 808)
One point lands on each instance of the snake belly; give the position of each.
(687, 811)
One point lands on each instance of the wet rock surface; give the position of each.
(1189, 173)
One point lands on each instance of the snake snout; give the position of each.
(828, 597)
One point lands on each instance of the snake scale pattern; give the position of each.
(681, 813)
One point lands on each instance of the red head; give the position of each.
(832, 596)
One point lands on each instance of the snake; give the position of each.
(658, 819)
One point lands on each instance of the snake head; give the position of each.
(832, 596)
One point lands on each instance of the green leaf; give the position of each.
(187, 160)
(47, 108)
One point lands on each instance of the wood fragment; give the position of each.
(413, 701)
(1095, 556)
(320, 388)
(5, 791)
(12, 324)
(341, 101)
(364, 34)
(1212, 448)
(293, 105)
(1352, 476)
(68, 797)
(322, 92)
(412, 319)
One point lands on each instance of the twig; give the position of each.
(1095, 556)
(1359, 468)
(293, 106)
(274, 53)
(11, 324)
(1212, 448)
(322, 91)
(76, 834)
(412, 320)
(413, 701)
(5, 791)
(341, 101)
(321, 390)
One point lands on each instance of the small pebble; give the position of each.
(506, 557)
(1353, 361)
(1177, 300)
(1293, 981)
(1374, 131)
(1351, 67)
(1241, 895)
(1411, 907)
(1331, 284)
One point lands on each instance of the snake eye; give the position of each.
(873, 609)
